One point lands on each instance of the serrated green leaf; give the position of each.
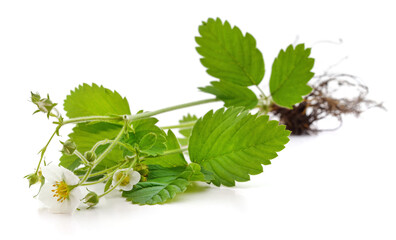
(232, 95)
(162, 185)
(172, 160)
(87, 100)
(290, 74)
(233, 144)
(229, 55)
(86, 136)
(186, 132)
(141, 128)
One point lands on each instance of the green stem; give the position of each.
(99, 181)
(92, 119)
(168, 109)
(261, 91)
(90, 168)
(174, 151)
(107, 170)
(102, 156)
(80, 156)
(106, 141)
(45, 149)
(137, 116)
(112, 171)
(182, 125)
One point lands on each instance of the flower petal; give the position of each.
(69, 177)
(52, 173)
(46, 195)
(134, 177)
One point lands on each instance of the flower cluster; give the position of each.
(62, 191)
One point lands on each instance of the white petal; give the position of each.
(46, 195)
(115, 176)
(134, 177)
(52, 173)
(69, 177)
(67, 206)
(127, 187)
(63, 207)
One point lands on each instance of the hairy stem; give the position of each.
(81, 157)
(45, 149)
(182, 125)
(92, 119)
(112, 145)
(168, 109)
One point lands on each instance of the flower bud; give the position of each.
(142, 169)
(35, 97)
(44, 105)
(68, 147)
(32, 178)
(91, 199)
(90, 156)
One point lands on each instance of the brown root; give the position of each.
(323, 102)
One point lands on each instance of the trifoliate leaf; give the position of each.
(85, 136)
(291, 72)
(233, 144)
(232, 95)
(186, 132)
(229, 55)
(172, 160)
(87, 100)
(141, 128)
(162, 185)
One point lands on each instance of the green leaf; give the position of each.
(232, 95)
(108, 184)
(87, 100)
(229, 55)
(86, 136)
(141, 129)
(291, 72)
(233, 144)
(172, 160)
(186, 132)
(162, 185)
(147, 141)
(194, 172)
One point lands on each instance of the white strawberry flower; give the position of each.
(59, 193)
(131, 178)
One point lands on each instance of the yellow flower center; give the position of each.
(61, 191)
(125, 181)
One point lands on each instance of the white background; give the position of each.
(335, 185)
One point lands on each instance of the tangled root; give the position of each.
(323, 102)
